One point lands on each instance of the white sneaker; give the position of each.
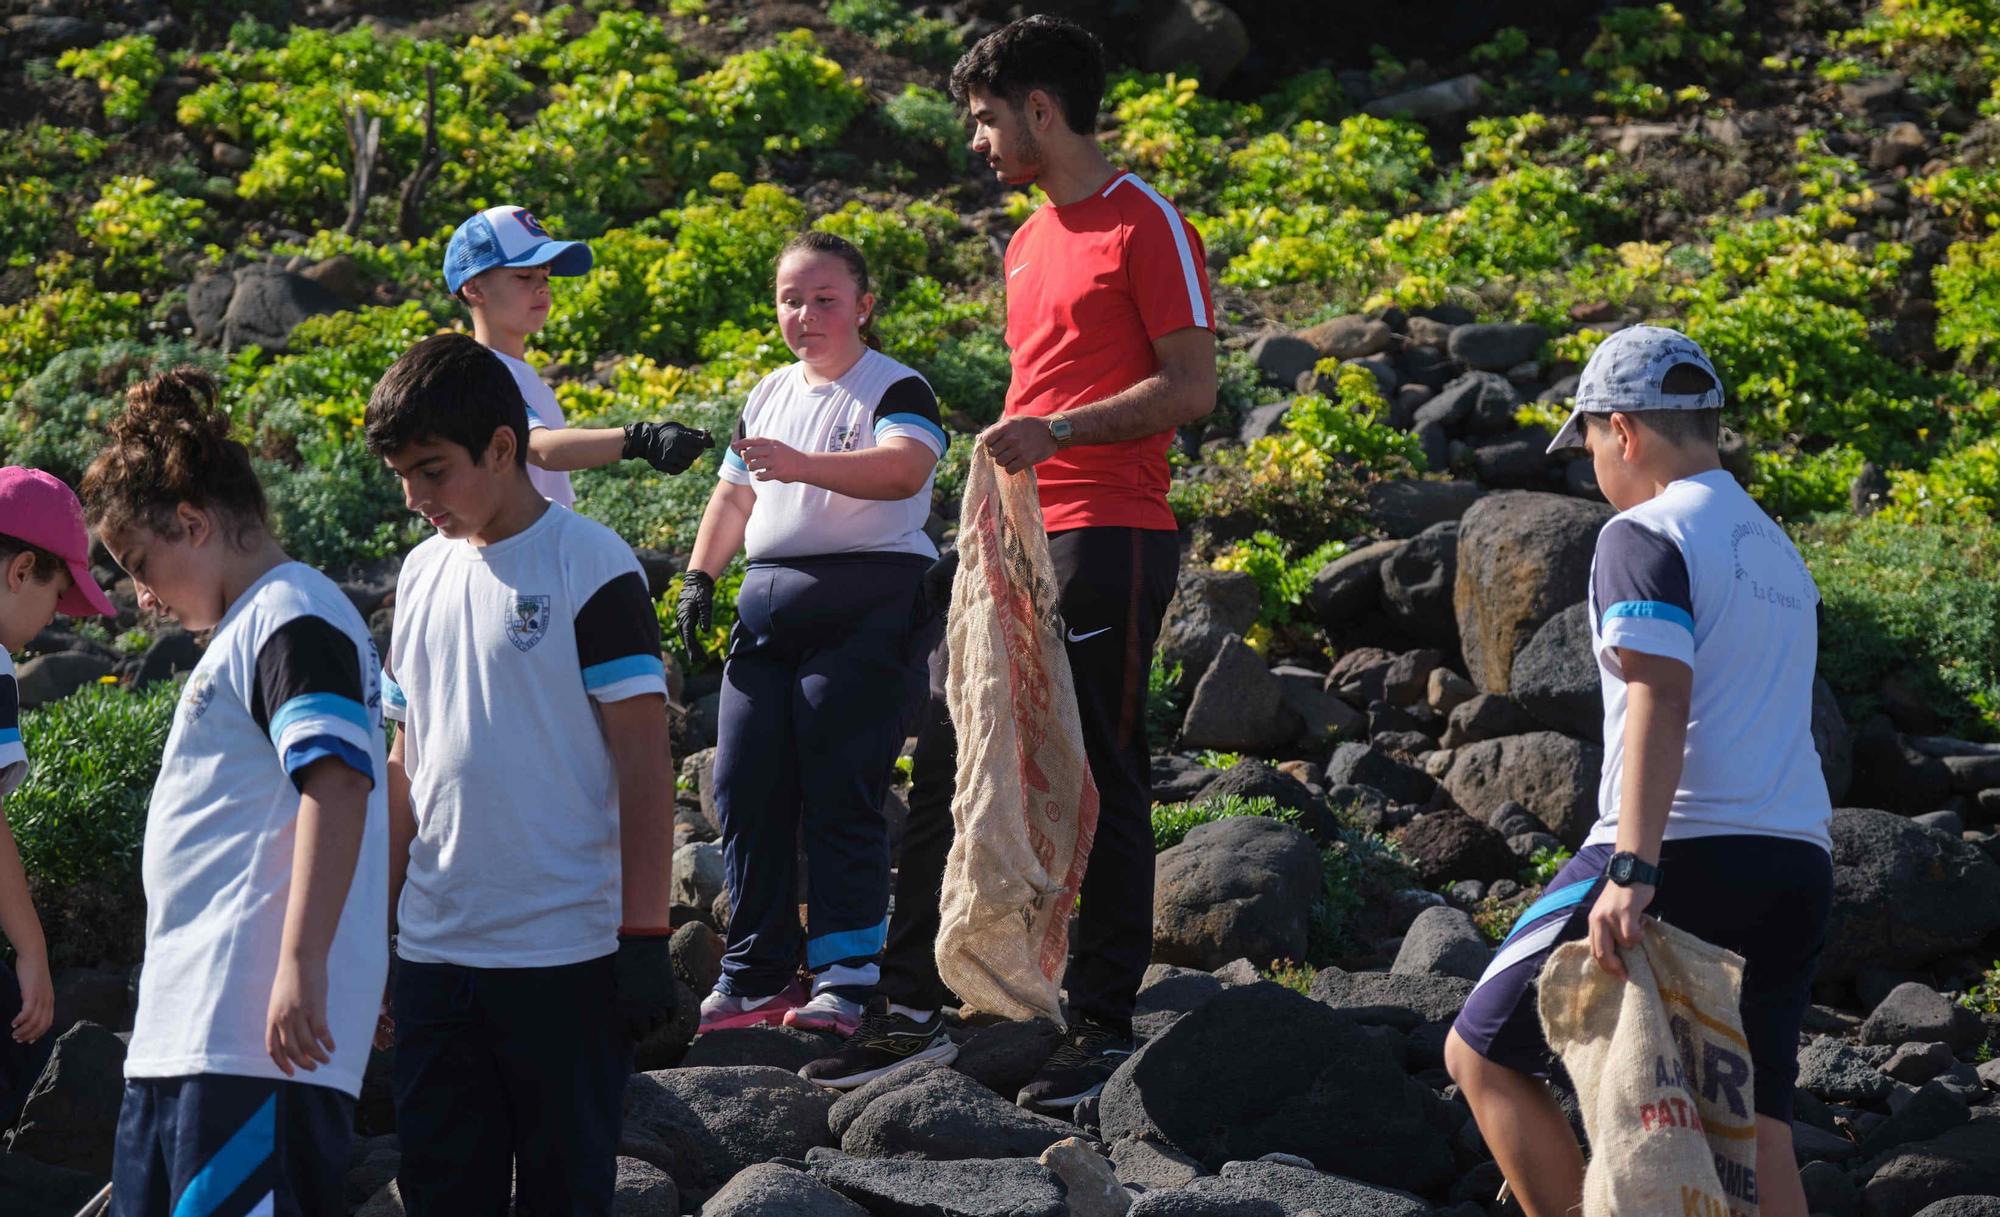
(827, 1011)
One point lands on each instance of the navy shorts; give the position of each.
(217, 1145)
(1766, 898)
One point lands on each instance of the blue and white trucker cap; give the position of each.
(508, 236)
(1633, 370)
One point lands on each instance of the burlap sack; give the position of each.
(1026, 807)
(1662, 1072)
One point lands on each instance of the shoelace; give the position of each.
(1079, 1048)
(873, 1026)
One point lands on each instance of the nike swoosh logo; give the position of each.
(1076, 637)
(1017, 270)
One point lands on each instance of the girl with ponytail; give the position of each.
(266, 851)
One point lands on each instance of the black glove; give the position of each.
(937, 583)
(696, 610)
(667, 447)
(645, 968)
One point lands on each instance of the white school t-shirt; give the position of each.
(289, 678)
(544, 414)
(877, 399)
(499, 657)
(13, 754)
(1702, 575)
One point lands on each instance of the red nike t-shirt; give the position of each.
(1090, 285)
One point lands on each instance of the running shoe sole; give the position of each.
(1059, 1103)
(945, 1053)
(815, 1021)
(772, 1013)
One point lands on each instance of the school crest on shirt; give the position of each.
(528, 621)
(200, 692)
(843, 436)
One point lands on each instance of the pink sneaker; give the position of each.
(826, 1012)
(722, 1011)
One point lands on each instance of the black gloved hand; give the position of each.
(645, 970)
(696, 610)
(937, 583)
(667, 447)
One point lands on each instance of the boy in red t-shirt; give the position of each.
(1110, 331)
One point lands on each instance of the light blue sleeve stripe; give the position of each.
(611, 671)
(1562, 898)
(848, 944)
(319, 747)
(534, 419)
(240, 1156)
(10, 735)
(392, 693)
(314, 705)
(734, 461)
(1657, 610)
(914, 420)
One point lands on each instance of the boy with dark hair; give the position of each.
(531, 808)
(1110, 336)
(1714, 814)
(43, 571)
(498, 263)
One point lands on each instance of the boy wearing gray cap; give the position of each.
(1713, 813)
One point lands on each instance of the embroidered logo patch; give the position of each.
(528, 221)
(200, 692)
(528, 622)
(843, 437)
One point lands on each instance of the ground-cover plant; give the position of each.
(1968, 298)
(1282, 579)
(125, 69)
(1173, 821)
(56, 421)
(1915, 601)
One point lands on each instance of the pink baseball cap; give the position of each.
(38, 509)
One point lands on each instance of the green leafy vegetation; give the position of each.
(1173, 821)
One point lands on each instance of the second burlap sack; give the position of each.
(1025, 809)
(1662, 1073)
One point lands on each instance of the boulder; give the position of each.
(1358, 764)
(697, 954)
(1523, 557)
(1294, 1189)
(703, 1125)
(698, 874)
(1405, 508)
(1208, 606)
(1914, 1011)
(1361, 674)
(1964, 1161)
(1448, 691)
(1167, 993)
(1839, 1072)
(1916, 1063)
(1204, 33)
(48, 678)
(1930, 1112)
(1477, 403)
(1963, 1206)
(1091, 1186)
(1443, 942)
(1485, 716)
(1497, 346)
(31, 1188)
(1282, 358)
(1518, 460)
(644, 1190)
(1552, 775)
(1241, 887)
(1445, 99)
(1148, 1165)
(268, 302)
(1353, 336)
(173, 652)
(1261, 1069)
(1004, 1056)
(1555, 676)
(668, 1044)
(973, 1187)
(1829, 1191)
(945, 1115)
(1323, 716)
(770, 1189)
(1348, 588)
(1904, 895)
(1391, 999)
(848, 1107)
(1406, 680)
(1832, 740)
(70, 1117)
(1203, 1204)
(1418, 582)
(768, 1046)
(1446, 846)
(1238, 704)
(1178, 779)
(1263, 421)
(47, 34)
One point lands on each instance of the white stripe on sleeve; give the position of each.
(1189, 271)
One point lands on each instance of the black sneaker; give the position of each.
(1078, 1068)
(883, 1041)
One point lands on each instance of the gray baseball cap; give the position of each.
(1634, 369)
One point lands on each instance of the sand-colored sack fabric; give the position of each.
(1025, 808)
(1662, 1072)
